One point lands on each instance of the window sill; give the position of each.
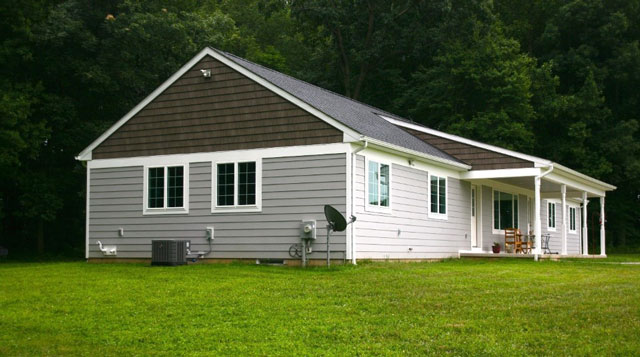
(573, 232)
(378, 209)
(235, 209)
(161, 211)
(439, 216)
(551, 229)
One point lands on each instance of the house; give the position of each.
(230, 149)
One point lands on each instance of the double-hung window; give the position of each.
(572, 219)
(166, 189)
(551, 215)
(437, 196)
(378, 185)
(505, 210)
(236, 186)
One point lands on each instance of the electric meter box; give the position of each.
(308, 230)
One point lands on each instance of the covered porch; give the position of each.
(549, 204)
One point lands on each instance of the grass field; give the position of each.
(459, 307)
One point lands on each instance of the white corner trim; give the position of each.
(88, 205)
(86, 154)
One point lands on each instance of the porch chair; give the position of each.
(510, 239)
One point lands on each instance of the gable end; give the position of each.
(478, 158)
(225, 112)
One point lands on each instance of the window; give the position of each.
(505, 210)
(551, 211)
(437, 196)
(379, 180)
(572, 219)
(165, 189)
(236, 185)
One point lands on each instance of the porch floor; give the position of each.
(469, 254)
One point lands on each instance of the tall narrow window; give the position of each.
(246, 183)
(165, 190)
(156, 187)
(226, 186)
(551, 211)
(505, 210)
(379, 184)
(175, 186)
(572, 219)
(236, 184)
(438, 196)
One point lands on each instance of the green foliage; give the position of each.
(456, 307)
(554, 78)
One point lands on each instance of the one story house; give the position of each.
(233, 150)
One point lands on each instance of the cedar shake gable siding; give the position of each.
(225, 112)
(478, 158)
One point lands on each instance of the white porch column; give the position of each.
(585, 231)
(537, 225)
(602, 236)
(563, 190)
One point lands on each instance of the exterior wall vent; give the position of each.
(169, 252)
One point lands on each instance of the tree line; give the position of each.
(554, 78)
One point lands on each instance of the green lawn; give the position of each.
(459, 307)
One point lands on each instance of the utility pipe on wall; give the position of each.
(353, 175)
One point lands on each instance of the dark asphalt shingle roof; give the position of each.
(358, 116)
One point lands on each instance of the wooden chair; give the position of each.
(510, 238)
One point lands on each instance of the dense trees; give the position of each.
(555, 78)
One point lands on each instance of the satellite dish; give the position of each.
(335, 218)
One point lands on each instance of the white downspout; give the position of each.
(537, 227)
(353, 189)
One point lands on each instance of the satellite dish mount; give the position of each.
(335, 223)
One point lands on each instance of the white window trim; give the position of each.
(493, 211)
(257, 207)
(166, 210)
(438, 215)
(555, 218)
(576, 210)
(377, 208)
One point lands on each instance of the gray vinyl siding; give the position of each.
(293, 189)
(555, 243)
(389, 236)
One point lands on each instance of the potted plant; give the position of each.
(496, 247)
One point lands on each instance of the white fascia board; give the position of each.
(349, 133)
(235, 155)
(501, 173)
(467, 141)
(575, 184)
(565, 171)
(384, 146)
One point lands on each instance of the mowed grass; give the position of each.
(459, 307)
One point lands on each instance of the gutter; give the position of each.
(353, 175)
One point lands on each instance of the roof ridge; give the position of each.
(317, 86)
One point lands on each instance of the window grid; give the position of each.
(438, 195)
(175, 186)
(156, 187)
(572, 218)
(552, 215)
(225, 184)
(246, 183)
(379, 181)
